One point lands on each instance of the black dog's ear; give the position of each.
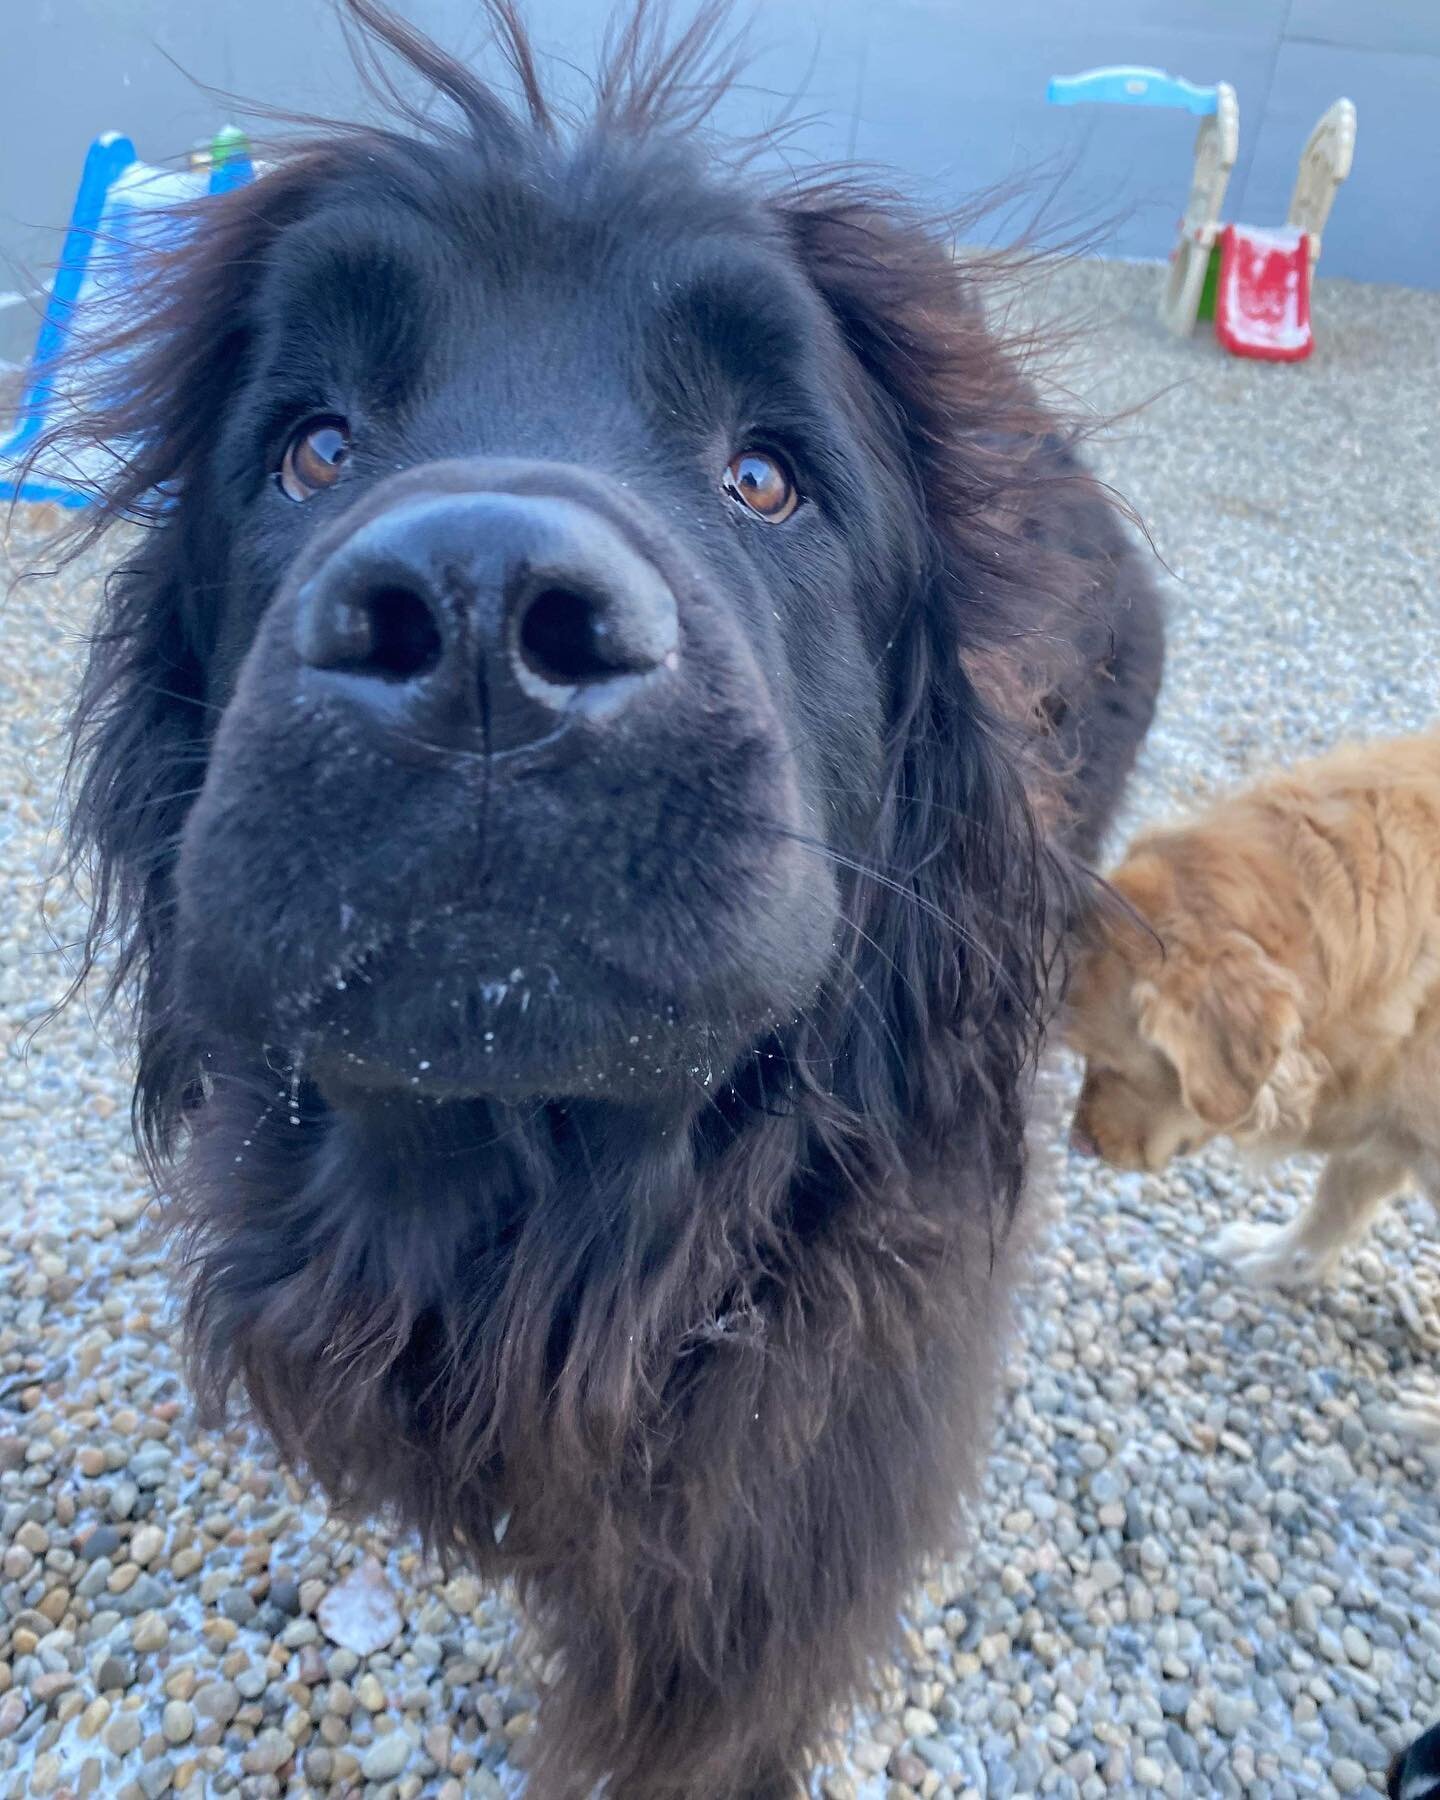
(1053, 611)
(964, 424)
(142, 406)
(138, 752)
(967, 929)
(990, 459)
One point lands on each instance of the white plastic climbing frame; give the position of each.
(1217, 143)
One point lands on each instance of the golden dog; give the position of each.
(1278, 982)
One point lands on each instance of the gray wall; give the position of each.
(950, 92)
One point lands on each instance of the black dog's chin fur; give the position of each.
(450, 1315)
(724, 1361)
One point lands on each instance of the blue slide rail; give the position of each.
(1129, 86)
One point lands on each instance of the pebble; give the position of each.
(1357, 1646)
(360, 1613)
(146, 1544)
(103, 1541)
(271, 1751)
(150, 1632)
(123, 1733)
(284, 1595)
(178, 1722)
(386, 1757)
(123, 1498)
(237, 1606)
(92, 1720)
(114, 1672)
(217, 1700)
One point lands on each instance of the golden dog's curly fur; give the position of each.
(1278, 982)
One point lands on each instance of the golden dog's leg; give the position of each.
(1418, 1413)
(1353, 1185)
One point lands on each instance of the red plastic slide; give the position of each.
(1262, 304)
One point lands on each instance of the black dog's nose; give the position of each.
(486, 616)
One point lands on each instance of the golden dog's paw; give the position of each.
(1272, 1256)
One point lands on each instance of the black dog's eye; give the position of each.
(314, 458)
(760, 481)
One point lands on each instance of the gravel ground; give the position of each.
(1204, 1565)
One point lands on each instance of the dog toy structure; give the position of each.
(1262, 301)
(1254, 283)
(120, 203)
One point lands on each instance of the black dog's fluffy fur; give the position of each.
(724, 1365)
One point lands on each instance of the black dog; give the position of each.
(582, 772)
(1415, 1772)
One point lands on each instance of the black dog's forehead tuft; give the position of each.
(605, 187)
(573, 217)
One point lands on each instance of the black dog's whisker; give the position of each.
(187, 700)
(965, 935)
(162, 799)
